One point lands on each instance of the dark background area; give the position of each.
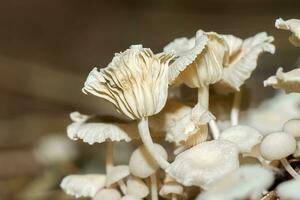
(47, 48)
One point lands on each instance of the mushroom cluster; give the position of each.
(202, 161)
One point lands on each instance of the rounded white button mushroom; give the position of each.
(136, 187)
(108, 193)
(292, 127)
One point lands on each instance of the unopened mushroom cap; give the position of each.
(108, 193)
(83, 185)
(247, 182)
(292, 25)
(171, 188)
(116, 174)
(278, 145)
(289, 189)
(130, 197)
(292, 127)
(141, 163)
(245, 137)
(136, 187)
(203, 164)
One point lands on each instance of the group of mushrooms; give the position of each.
(201, 161)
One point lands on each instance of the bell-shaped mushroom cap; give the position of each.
(288, 81)
(187, 51)
(90, 131)
(278, 145)
(141, 163)
(108, 193)
(292, 127)
(130, 197)
(203, 164)
(248, 182)
(116, 174)
(245, 137)
(289, 189)
(242, 60)
(136, 187)
(170, 188)
(292, 25)
(83, 185)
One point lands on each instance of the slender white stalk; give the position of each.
(153, 187)
(122, 187)
(109, 155)
(174, 197)
(203, 100)
(147, 141)
(289, 168)
(235, 110)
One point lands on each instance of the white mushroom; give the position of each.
(288, 81)
(292, 127)
(137, 188)
(171, 190)
(292, 25)
(248, 182)
(289, 189)
(116, 175)
(277, 146)
(245, 137)
(129, 197)
(136, 83)
(108, 193)
(83, 185)
(203, 164)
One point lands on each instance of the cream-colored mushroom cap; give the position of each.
(83, 185)
(247, 182)
(292, 127)
(108, 194)
(91, 131)
(289, 189)
(116, 174)
(203, 164)
(136, 187)
(141, 163)
(129, 197)
(136, 82)
(278, 145)
(245, 137)
(292, 25)
(288, 81)
(168, 189)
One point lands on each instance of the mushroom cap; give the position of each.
(288, 81)
(170, 188)
(108, 193)
(136, 187)
(83, 185)
(292, 25)
(141, 163)
(116, 174)
(245, 137)
(129, 197)
(203, 164)
(91, 131)
(135, 81)
(278, 145)
(289, 189)
(292, 127)
(247, 182)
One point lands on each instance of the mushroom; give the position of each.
(292, 25)
(292, 127)
(142, 165)
(136, 82)
(136, 187)
(288, 81)
(129, 197)
(116, 175)
(289, 189)
(247, 182)
(204, 163)
(83, 185)
(239, 65)
(199, 64)
(277, 146)
(171, 190)
(108, 193)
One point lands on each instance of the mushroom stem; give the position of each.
(174, 197)
(109, 155)
(203, 100)
(122, 186)
(153, 182)
(144, 132)
(234, 115)
(289, 168)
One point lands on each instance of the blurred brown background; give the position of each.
(47, 48)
